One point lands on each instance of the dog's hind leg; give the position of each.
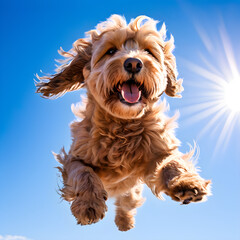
(83, 188)
(126, 207)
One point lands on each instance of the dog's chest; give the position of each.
(117, 146)
(122, 146)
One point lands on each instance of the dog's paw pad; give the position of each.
(188, 188)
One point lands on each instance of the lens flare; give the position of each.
(217, 96)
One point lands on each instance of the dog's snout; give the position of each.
(133, 65)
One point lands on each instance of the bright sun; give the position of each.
(218, 93)
(232, 95)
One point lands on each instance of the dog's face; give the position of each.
(124, 67)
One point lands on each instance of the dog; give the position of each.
(124, 139)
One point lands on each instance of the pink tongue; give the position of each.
(130, 92)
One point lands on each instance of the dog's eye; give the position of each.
(111, 51)
(149, 52)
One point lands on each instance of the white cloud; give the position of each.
(13, 237)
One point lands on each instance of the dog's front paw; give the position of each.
(89, 210)
(188, 188)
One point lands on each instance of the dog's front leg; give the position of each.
(83, 188)
(177, 177)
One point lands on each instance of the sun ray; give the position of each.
(202, 114)
(217, 97)
(229, 52)
(210, 65)
(214, 78)
(199, 107)
(227, 130)
(204, 37)
(212, 122)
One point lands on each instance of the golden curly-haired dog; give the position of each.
(124, 138)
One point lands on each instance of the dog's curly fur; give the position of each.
(121, 144)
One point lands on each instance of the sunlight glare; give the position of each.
(218, 92)
(232, 95)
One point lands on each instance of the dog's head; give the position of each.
(125, 68)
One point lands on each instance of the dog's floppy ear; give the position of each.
(174, 86)
(69, 76)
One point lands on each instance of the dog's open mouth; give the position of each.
(129, 92)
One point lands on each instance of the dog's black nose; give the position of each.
(133, 65)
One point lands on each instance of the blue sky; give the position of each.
(31, 127)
